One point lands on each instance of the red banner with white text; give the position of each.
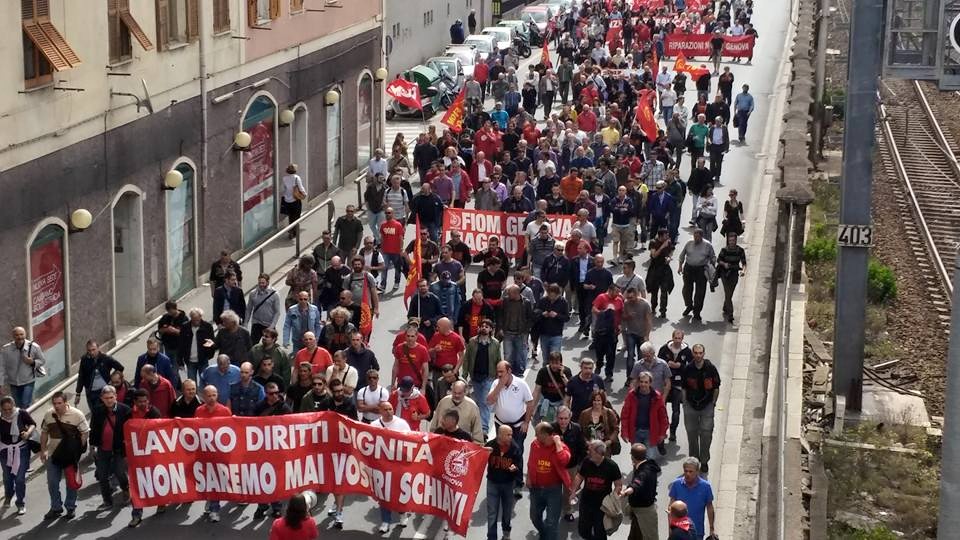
(272, 458)
(699, 45)
(478, 226)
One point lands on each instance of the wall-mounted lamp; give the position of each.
(241, 141)
(80, 220)
(172, 180)
(381, 74)
(331, 98)
(286, 117)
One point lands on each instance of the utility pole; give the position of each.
(948, 521)
(863, 69)
(820, 74)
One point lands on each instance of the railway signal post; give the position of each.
(866, 33)
(948, 520)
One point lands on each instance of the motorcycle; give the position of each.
(522, 47)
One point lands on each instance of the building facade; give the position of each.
(103, 99)
(418, 29)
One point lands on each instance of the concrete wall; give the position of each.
(415, 42)
(291, 29)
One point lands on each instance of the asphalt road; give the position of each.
(742, 170)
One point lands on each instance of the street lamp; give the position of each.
(331, 98)
(286, 117)
(381, 74)
(241, 141)
(172, 180)
(80, 220)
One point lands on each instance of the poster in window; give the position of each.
(48, 318)
(259, 214)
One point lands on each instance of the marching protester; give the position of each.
(17, 428)
(21, 361)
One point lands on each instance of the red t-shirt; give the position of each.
(320, 359)
(391, 232)
(218, 410)
(487, 142)
(281, 531)
(450, 347)
(410, 362)
(474, 318)
(401, 338)
(106, 442)
(603, 300)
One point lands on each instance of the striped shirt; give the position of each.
(396, 198)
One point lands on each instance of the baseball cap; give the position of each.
(406, 383)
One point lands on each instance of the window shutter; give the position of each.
(251, 13)
(113, 30)
(61, 44)
(193, 20)
(123, 13)
(221, 16)
(296, 5)
(274, 9)
(163, 13)
(42, 9)
(26, 10)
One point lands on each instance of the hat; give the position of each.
(406, 383)
(445, 275)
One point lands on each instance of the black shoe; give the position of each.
(135, 522)
(52, 514)
(71, 513)
(608, 379)
(688, 311)
(662, 448)
(569, 518)
(663, 314)
(704, 468)
(276, 513)
(104, 506)
(673, 437)
(162, 509)
(713, 287)
(696, 317)
(260, 513)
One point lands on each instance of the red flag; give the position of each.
(681, 66)
(406, 92)
(413, 276)
(545, 54)
(644, 115)
(654, 63)
(453, 118)
(366, 312)
(614, 39)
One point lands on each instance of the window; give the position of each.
(180, 252)
(364, 120)
(448, 9)
(178, 22)
(221, 16)
(428, 18)
(396, 30)
(260, 12)
(120, 27)
(334, 178)
(44, 48)
(49, 300)
(296, 6)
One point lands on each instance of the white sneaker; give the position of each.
(405, 520)
(214, 517)
(332, 511)
(21, 510)
(384, 528)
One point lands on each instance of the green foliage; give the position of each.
(837, 97)
(881, 283)
(877, 533)
(820, 249)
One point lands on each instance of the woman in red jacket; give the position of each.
(650, 430)
(296, 524)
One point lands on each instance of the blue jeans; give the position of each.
(632, 344)
(667, 112)
(15, 482)
(193, 371)
(374, 221)
(396, 263)
(642, 436)
(549, 499)
(481, 387)
(499, 503)
(54, 476)
(549, 344)
(386, 516)
(23, 394)
(212, 506)
(515, 352)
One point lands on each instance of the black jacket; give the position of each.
(698, 180)
(574, 439)
(644, 484)
(103, 363)
(204, 332)
(720, 109)
(555, 269)
(237, 303)
(552, 326)
(98, 419)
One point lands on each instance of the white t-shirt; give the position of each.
(348, 376)
(371, 398)
(397, 424)
(512, 401)
(290, 180)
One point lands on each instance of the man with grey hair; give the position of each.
(467, 408)
(221, 376)
(192, 351)
(232, 339)
(697, 493)
(109, 443)
(516, 319)
(657, 367)
(599, 476)
(695, 256)
(20, 362)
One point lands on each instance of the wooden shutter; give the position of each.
(163, 25)
(42, 9)
(193, 20)
(251, 13)
(123, 10)
(46, 46)
(61, 44)
(221, 16)
(26, 10)
(274, 9)
(296, 5)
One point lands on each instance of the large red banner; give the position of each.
(272, 458)
(478, 226)
(699, 45)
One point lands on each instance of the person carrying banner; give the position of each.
(390, 422)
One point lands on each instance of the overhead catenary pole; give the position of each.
(863, 69)
(820, 74)
(948, 521)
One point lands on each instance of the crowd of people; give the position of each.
(459, 364)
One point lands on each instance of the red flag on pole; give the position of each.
(681, 66)
(644, 115)
(366, 312)
(406, 92)
(654, 63)
(545, 54)
(453, 118)
(413, 276)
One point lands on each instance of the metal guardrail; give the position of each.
(258, 252)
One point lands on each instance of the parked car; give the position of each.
(483, 43)
(518, 26)
(466, 54)
(449, 67)
(538, 14)
(503, 35)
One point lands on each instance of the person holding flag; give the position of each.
(416, 267)
(454, 116)
(363, 285)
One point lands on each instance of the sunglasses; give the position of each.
(272, 393)
(372, 378)
(319, 384)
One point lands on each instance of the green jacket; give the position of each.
(470, 356)
(281, 361)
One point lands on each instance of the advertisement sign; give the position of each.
(48, 317)
(478, 226)
(699, 45)
(268, 459)
(259, 185)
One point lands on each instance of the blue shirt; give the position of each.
(500, 117)
(743, 102)
(222, 381)
(696, 498)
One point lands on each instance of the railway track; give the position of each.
(918, 152)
